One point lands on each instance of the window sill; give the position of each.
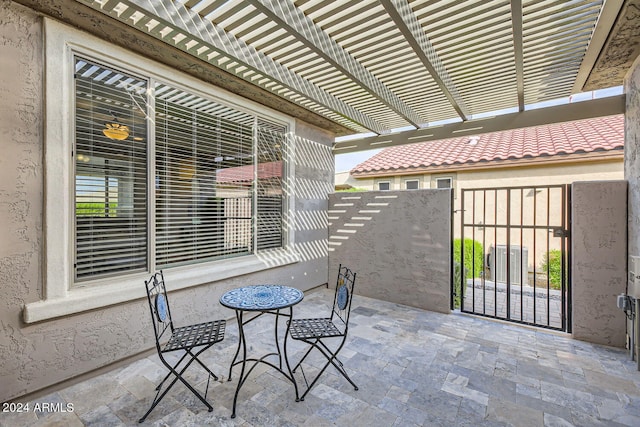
(123, 290)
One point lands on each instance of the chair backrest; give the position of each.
(343, 296)
(159, 306)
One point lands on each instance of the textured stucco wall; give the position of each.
(397, 242)
(632, 162)
(38, 355)
(599, 244)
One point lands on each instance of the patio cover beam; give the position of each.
(606, 21)
(287, 15)
(518, 49)
(182, 20)
(407, 22)
(542, 116)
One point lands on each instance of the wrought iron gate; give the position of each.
(514, 262)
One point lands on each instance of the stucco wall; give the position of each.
(598, 253)
(397, 242)
(632, 162)
(38, 355)
(503, 177)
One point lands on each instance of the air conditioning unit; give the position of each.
(518, 264)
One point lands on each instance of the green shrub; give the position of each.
(473, 264)
(552, 266)
(473, 257)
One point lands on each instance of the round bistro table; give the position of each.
(255, 301)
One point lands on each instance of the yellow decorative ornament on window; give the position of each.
(116, 131)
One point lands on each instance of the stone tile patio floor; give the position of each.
(413, 367)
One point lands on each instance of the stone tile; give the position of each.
(631, 404)
(180, 417)
(412, 367)
(404, 412)
(133, 411)
(544, 406)
(12, 419)
(457, 385)
(439, 405)
(553, 421)
(59, 419)
(611, 382)
(399, 394)
(514, 414)
(45, 405)
(102, 416)
(532, 369)
(572, 399)
(372, 416)
(527, 390)
(85, 396)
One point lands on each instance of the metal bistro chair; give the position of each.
(192, 339)
(315, 331)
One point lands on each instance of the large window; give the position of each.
(148, 168)
(213, 175)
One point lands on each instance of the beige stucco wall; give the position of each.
(397, 242)
(598, 249)
(632, 175)
(542, 174)
(539, 175)
(632, 163)
(35, 356)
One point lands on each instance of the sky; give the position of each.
(346, 162)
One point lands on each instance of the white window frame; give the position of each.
(60, 296)
(407, 181)
(383, 182)
(442, 178)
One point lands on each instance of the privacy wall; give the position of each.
(397, 242)
(598, 251)
(37, 355)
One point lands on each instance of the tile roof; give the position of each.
(581, 136)
(245, 173)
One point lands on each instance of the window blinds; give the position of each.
(216, 188)
(110, 174)
(204, 161)
(271, 143)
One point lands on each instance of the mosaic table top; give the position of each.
(261, 297)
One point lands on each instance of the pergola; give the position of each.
(353, 66)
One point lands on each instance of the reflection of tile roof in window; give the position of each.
(582, 136)
(245, 173)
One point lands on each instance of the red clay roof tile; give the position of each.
(581, 136)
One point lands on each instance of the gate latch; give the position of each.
(560, 232)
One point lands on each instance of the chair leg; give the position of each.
(178, 376)
(304, 357)
(332, 359)
(337, 363)
(215, 377)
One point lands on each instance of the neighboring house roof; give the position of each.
(245, 173)
(344, 180)
(603, 135)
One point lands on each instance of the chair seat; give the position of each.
(196, 335)
(313, 328)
